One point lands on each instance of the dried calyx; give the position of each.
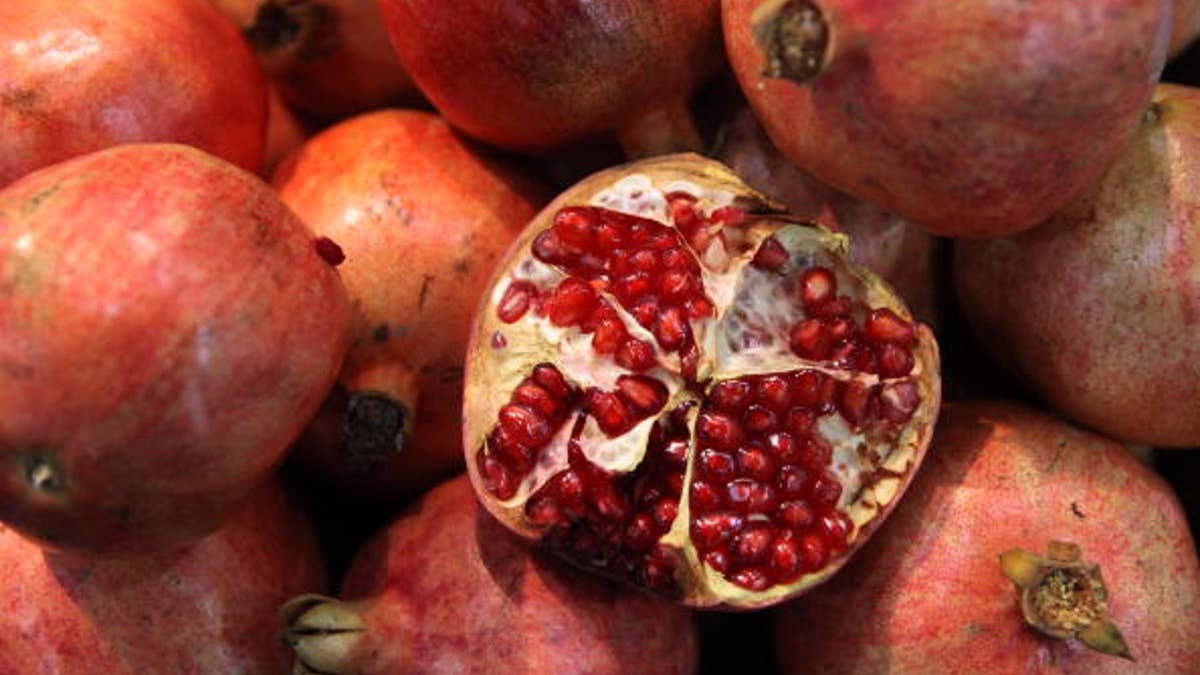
(1063, 597)
(675, 384)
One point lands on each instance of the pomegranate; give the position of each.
(169, 326)
(445, 589)
(422, 217)
(330, 58)
(1185, 25)
(534, 77)
(205, 609)
(284, 132)
(81, 76)
(967, 118)
(902, 253)
(676, 384)
(1097, 308)
(930, 593)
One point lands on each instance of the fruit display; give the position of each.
(378, 337)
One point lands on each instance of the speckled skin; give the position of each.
(168, 330)
(900, 252)
(535, 76)
(968, 117)
(423, 216)
(204, 610)
(927, 594)
(80, 76)
(446, 589)
(347, 68)
(1098, 309)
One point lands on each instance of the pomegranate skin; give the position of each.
(969, 118)
(1185, 25)
(165, 340)
(902, 253)
(928, 595)
(81, 76)
(446, 589)
(330, 58)
(422, 216)
(1096, 309)
(206, 609)
(534, 77)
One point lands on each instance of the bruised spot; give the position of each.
(21, 100)
(426, 279)
(381, 333)
(462, 267)
(329, 251)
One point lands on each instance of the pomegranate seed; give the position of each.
(677, 285)
(717, 559)
(645, 260)
(815, 453)
(758, 419)
(699, 308)
(817, 286)
(657, 576)
(773, 392)
(795, 514)
(515, 301)
(640, 534)
(516, 455)
(548, 248)
(898, 401)
(672, 328)
(497, 479)
(541, 510)
(498, 340)
(751, 578)
(525, 425)
(609, 411)
(825, 492)
(751, 545)
(705, 497)
(810, 339)
(793, 480)
(719, 430)
(676, 453)
(530, 395)
(664, 513)
(749, 496)
(771, 255)
(808, 388)
(633, 286)
(839, 329)
(636, 355)
(893, 360)
(645, 312)
(754, 462)
(783, 446)
(574, 226)
(644, 394)
(570, 489)
(608, 336)
(729, 216)
(572, 301)
(548, 378)
(854, 402)
(716, 466)
(730, 396)
(813, 552)
(674, 258)
(834, 528)
(608, 504)
(785, 558)
(800, 421)
(710, 530)
(885, 326)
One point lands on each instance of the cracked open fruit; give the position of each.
(676, 384)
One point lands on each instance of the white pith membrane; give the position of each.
(754, 308)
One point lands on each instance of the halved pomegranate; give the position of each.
(674, 383)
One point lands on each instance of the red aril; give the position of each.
(169, 327)
(208, 608)
(929, 593)
(967, 118)
(76, 77)
(330, 58)
(539, 76)
(649, 412)
(446, 589)
(1096, 309)
(422, 216)
(903, 254)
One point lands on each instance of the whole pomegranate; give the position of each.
(330, 58)
(969, 118)
(422, 217)
(537, 76)
(930, 595)
(673, 383)
(1185, 25)
(169, 327)
(902, 253)
(1096, 309)
(76, 77)
(445, 589)
(284, 132)
(205, 609)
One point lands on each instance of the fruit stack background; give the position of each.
(243, 257)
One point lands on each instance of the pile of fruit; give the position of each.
(370, 337)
